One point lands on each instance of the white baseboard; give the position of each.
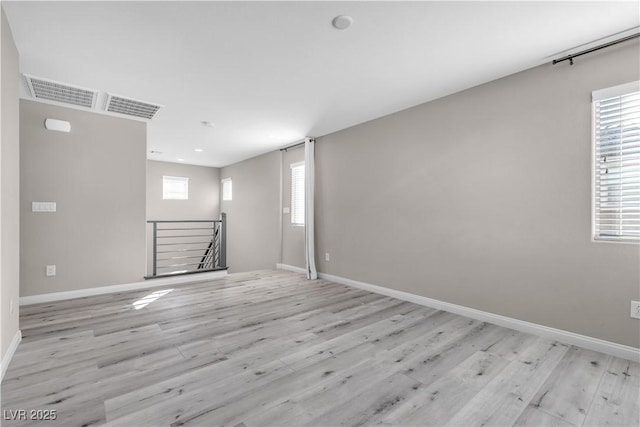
(10, 352)
(291, 268)
(152, 283)
(607, 347)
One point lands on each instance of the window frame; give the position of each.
(600, 95)
(223, 183)
(293, 166)
(185, 181)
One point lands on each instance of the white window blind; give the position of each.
(227, 189)
(175, 187)
(297, 193)
(617, 163)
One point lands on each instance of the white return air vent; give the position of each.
(131, 107)
(60, 92)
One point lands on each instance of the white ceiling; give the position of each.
(269, 73)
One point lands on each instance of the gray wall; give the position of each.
(96, 174)
(253, 237)
(292, 235)
(10, 195)
(483, 198)
(204, 192)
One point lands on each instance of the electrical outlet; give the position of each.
(635, 309)
(51, 270)
(326, 256)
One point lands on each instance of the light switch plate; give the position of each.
(285, 210)
(43, 206)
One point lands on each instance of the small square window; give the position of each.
(175, 188)
(227, 189)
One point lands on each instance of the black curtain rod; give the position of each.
(297, 144)
(593, 49)
(292, 146)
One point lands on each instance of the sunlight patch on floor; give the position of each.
(143, 302)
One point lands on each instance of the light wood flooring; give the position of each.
(272, 348)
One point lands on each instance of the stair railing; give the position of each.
(188, 247)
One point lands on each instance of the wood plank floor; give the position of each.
(272, 348)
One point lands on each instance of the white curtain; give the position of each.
(309, 195)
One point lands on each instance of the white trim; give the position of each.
(296, 164)
(619, 90)
(607, 347)
(291, 268)
(153, 283)
(6, 360)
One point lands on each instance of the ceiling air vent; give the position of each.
(60, 92)
(131, 107)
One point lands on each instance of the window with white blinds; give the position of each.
(227, 189)
(297, 193)
(617, 163)
(175, 187)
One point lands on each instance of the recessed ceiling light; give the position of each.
(207, 123)
(342, 22)
(181, 160)
(199, 150)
